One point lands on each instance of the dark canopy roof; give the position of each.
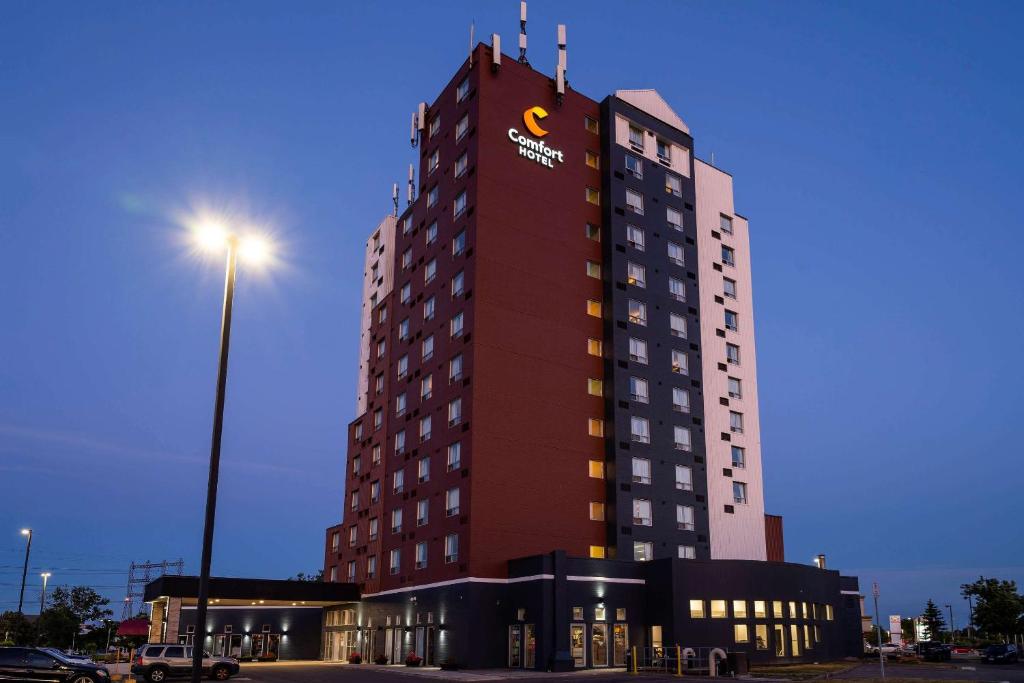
(252, 589)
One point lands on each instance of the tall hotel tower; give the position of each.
(557, 363)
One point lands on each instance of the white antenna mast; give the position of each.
(472, 28)
(560, 69)
(412, 185)
(495, 52)
(522, 32)
(394, 198)
(413, 130)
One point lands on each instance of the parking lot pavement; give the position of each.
(324, 672)
(956, 671)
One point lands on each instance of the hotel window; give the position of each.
(595, 427)
(421, 555)
(620, 614)
(382, 315)
(374, 529)
(426, 387)
(687, 552)
(595, 387)
(596, 512)
(375, 271)
(591, 125)
(460, 204)
(732, 354)
(640, 429)
(636, 274)
(735, 388)
(636, 136)
(641, 512)
(594, 308)
(641, 471)
(634, 166)
(454, 456)
(728, 256)
(405, 293)
(593, 196)
(371, 566)
(396, 520)
(761, 636)
(458, 284)
(592, 159)
(353, 536)
(435, 126)
(455, 369)
(680, 363)
(739, 492)
(451, 502)
(378, 419)
(675, 254)
(375, 454)
(684, 478)
(400, 442)
(456, 324)
(729, 287)
(760, 609)
(777, 609)
(684, 517)
(434, 161)
(398, 481)
(335, 541)
(719, 609)
(358, 432)
(677, 289)
(680, 400)
(403, 329)
(400, 404)
(673, 184)
(395, 565)
(459, 243)
(739, 457)
(637, 312)
(635, 237)
(594, 347)
(432, 195)
(355, 464)
(462, 127)
(431, 235)
(726, 224)
(597, 552)
(407, 257)
(461, 164)
(732, 321)
(407, 224)
(379, 383)
(696, 609)
(403, 366)
(638, 390)
(352, 571)
(677, 325)
(664, 151)
(681, 438)
(829, 613)
(735, 422)
(429, 306)
(451, 548)
(463, 90)
(454, 412)
(739, 609)
(635, 202)
(375, 491)
(425, 425)
(595, 469)
(600, 613)
(381, 347)
(594, 270)
(674, 218)
(643, 551)
(740, 633)
(593, 232)
(354, 500)
(638, 350)
(427, 348)
(794, 613)
(808, 643)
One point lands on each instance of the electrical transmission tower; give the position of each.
(141, 573)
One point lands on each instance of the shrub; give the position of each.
(380, 659)
(413, 659)
(355, 658)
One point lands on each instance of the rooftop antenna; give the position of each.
(495, 52)
(413, 130)
(522, 32)
(560, 69)
(394, 198)
(411, 194)
(472, 28)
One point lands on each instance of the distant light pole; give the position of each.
(878, 622)
(952, 628)
(970, 612)
(42, 596)
(24, 572)
(214, 237)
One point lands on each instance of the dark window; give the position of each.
(11, 656)
(175, 652)
(154, 651)
(37, 660)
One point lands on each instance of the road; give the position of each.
(958, 671)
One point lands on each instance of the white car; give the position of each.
(888, 649)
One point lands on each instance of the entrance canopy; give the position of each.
(226, 592)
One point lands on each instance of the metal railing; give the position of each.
(676, 660)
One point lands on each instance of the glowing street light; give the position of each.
(24, 572)
(42, 596)
(214, 236)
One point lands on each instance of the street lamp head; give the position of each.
(46, 575)
(26, 532)
(255, 249)
(211, 235)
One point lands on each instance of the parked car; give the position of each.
(1001, 654)
(888, 649)
(158, 662)
(932, 651)
(33, 664)
(67, 655)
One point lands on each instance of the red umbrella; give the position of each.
(133, 627)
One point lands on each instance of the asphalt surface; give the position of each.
(340, 673)
(955, 671)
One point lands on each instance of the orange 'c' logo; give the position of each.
(530, 117)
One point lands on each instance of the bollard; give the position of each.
(679, 661)
(634, 659)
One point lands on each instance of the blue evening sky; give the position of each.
(876, 149)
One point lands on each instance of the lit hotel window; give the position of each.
(760, 611)
(594, 308)
(643, 551)
(635, 202)
(597, 552)
(740, 632)
(595, 387)
(680, 363)
(593, 161)
(673, 184)
(719, 610)
(595, 469)
(637, 312)
(696, 609)
(591, 125)
(594, 347)
(594, 270)
(593, 196)
(595, 427)
(597, 512)
(739, 609)
(636, 274)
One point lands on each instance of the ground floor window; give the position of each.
(599, 644)
(515, 646)
(531, 646)
(794, 639)
(577, 644)
(780, 640)
(620, 644)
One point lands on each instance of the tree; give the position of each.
(998, 607)
(58, 627)
(934, 623)
(83, 602)
(303, 576)
(15, 629)
(907, 627)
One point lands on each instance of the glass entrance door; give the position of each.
(620, 644)
(599, 644)
(389, 643)
(780, 640)
(530, 661)
(235, 645)
(515, 646)
(577, 644)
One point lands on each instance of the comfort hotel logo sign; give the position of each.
(533, 148)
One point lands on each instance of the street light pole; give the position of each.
(970, 612)
(42, 596)
(24, 572)
(211, 486)
(951, 627)
(878, 622)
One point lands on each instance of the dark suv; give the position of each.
(1001, 654)
(158, 662)
(31, 664)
